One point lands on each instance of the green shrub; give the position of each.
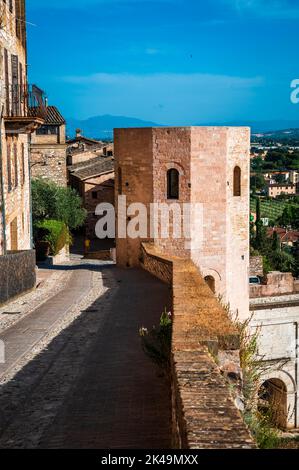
(52, 202)
(53, 232)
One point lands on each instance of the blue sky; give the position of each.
(175, 62)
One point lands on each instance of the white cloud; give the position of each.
(192, 79)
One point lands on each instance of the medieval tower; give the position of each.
(205, 166)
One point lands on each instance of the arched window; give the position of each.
(211, 283)
(173, 184)
(237, 181)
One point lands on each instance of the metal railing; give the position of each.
(25, 101)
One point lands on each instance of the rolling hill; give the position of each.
(101, 127)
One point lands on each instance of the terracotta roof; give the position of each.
(284, 234)
(85, 163)
(54, 117)
(81, 138)
(95, 167)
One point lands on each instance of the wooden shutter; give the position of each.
(7, 91)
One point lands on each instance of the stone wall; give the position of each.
(277, 321)
(14, 146)
(49, 162)
(204, 411)
(162, 268)
(277, 283)
(17, 274)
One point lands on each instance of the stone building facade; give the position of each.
(22, 111)
(211, 167)
(48, 149)
(275, 318)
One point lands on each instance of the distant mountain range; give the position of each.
(101, 127)
(261, 127)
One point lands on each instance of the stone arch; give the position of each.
(283, 376)
(215, 275)
(237, 181)
(176, 166)
(211, 282)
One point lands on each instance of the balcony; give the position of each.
(25, 109)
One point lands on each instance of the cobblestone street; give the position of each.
(75, 375)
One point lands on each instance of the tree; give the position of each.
(289, 217)
(276, 244)
(259, 237)
(257, 182)
(50, 201)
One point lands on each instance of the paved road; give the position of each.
(21, 337)
(93, 387)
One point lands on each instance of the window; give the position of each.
(94, 195)
(173, 184)
(237, 181)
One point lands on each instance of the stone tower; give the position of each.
(205, 166)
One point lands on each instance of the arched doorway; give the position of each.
(273, 402)
(211, 283)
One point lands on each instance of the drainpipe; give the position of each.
(2, 200)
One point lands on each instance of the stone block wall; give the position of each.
(162, 268)
(16, 198)
(276, 284)
(49, 162)
(18, 274)
(204, 412)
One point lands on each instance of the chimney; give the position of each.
(78, 133)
